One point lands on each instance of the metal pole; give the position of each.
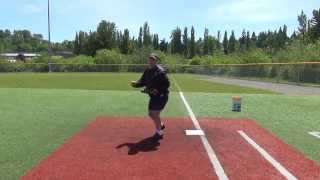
(49, 37)
(278, 73)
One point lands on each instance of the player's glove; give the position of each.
(145, 91)
(153, 92)
(134, 84)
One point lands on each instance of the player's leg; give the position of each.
(155, 116)
(156, 105)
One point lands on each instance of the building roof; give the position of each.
(17, 54)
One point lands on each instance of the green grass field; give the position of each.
(110, 81)
(40, 111)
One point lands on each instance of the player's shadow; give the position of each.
(145, 145)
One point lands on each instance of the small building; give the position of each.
(14, 57)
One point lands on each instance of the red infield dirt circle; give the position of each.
(119, 148)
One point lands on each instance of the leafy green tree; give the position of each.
(254, 39)
(146, 35)
(119, 38)
(125, 43)
(315, 25)
(155, 41)
(21, 40)
(195, 61)
(303, 22)
(65, 45)
(106, 35)
(192, 43)
(206, 42)
(92, 44)
(211, 44)
(199, 47)
(176, 44)
(163, 46)
(77, 47)
(284, 36)
(140, 41)
(294, 35)
(242, 40)
(262, 40)
(218, 44)
(185, 42)
(248, 40)
(232, 43)
(82, 42)
(225, 43)
(106, 56)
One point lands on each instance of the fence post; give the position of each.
(248, 72)
(299, 75)
(318, 79)
(49, 66)
(279, 74)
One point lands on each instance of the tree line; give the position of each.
(107, 36)
(25, 41)
(182, 42)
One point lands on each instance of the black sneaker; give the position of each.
(157, 137)
(163, 127)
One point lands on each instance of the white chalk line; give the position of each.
(211, 154)
(268, 157)
(315, 134)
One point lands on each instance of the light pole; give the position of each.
(49, 37)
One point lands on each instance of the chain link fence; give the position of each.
(275, 72)
(279, 72)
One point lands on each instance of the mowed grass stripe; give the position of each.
(87, 81)
(113, 81)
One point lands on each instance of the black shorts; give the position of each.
(157, 103)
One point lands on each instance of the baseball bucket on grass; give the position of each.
(236, 104)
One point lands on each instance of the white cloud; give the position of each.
(252, 11)
(125, 13)
(33, 8)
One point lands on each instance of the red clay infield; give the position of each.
(240, 160)
(119, 148)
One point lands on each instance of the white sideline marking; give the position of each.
(212, 155)
(191, 114)
(194, 133)
(268, 157)
(315, 134)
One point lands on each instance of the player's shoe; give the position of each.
(157, 137)
(163, 127)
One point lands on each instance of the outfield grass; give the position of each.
(196, 83)
(111, 81)
(88, 81)
(288, 117)
(40, 111)
(34, 122)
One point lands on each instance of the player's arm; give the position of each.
(164, 82)
(140, 82)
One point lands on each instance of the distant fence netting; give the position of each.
(53, 67)
(292, 72)
(277, 72)
(97, 67)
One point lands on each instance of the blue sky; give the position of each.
(69, 16)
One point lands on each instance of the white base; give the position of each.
(315, 134)
(194, 133)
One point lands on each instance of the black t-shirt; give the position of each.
(155, 78)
